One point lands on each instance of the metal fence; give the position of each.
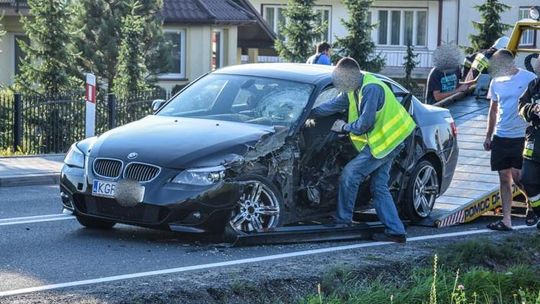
(36, 125)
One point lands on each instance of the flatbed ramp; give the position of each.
(475, 188)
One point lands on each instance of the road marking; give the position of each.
(239, 262)
(35, 219)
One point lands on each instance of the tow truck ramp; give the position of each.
(475, 188)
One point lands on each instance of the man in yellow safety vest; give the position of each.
(377, 126)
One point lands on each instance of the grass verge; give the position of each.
(478, 271)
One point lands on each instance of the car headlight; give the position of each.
(534, 12)
(201, 176)
(74, 157)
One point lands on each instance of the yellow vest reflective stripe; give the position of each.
(392, 122)
(535, 201)
(480, 63)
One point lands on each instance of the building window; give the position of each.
(401, 27)
(217, 49)
(19, 53)
(177, 65)
(273, 15)
(527, 37)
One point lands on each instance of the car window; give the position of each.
(327, 94)
(249, 99)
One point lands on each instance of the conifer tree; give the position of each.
(300, 32)
(48, 67)
(410, 64)
(490, 28)
(100, 34)
(358, 43)
(131, 69)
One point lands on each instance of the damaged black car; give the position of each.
(237, 151)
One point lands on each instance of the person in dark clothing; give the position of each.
(443, 80)
(322, 56)
(529, 109)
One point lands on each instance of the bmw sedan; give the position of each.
(237, 151)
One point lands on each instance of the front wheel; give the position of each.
(258, 209)
(93, 223)
(422, 191)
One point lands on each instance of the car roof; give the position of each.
(299, 72)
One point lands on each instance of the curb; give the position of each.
(30, 180)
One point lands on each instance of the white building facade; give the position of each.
(424, 24)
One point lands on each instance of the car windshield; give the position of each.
(256, 100)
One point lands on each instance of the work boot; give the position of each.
(387, 237)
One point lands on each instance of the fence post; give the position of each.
(17, 122)
(111, 107)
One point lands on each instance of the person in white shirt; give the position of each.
(505, 136)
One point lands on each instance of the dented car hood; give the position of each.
(182, 143)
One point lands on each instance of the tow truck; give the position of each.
(474, 190)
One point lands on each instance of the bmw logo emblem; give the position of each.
(132, 155)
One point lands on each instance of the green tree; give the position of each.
(48, 67)
(490, 28)
(300, 32)
(410, 64)
(99, 24)
(131, 69)
(358, 43)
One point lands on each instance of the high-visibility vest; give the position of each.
(480, 63)
(392, 122)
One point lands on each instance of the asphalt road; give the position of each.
(38, 246)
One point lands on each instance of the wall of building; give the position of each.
(7, 49)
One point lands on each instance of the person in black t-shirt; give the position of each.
(443, 80)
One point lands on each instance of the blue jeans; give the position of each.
(354, 173)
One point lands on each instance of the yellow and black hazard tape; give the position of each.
(475, 209)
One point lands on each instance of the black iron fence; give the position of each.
(36, 125)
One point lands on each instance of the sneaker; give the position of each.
(386, 237)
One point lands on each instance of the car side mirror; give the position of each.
(157, 103)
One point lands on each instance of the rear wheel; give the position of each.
(93, 223)
(422, 191)
(258, 209)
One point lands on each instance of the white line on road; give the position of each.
(238, 262)
(35, 219)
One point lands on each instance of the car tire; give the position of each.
(94, 223)
(266, 212)
(421, 192)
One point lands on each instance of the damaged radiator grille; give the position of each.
(105, 167)
(141, 172)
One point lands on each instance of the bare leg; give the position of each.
(516, 176)
(505, 178)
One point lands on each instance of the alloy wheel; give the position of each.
(426, 190)
(256, 210)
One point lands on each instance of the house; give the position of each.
(425, 23)
(205, 34)
(208, 34)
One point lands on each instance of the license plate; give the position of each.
(105, 189)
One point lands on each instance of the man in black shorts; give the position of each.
(505, 135)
